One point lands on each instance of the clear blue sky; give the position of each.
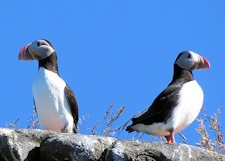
(111, 51)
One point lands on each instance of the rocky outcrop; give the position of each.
(41, 145)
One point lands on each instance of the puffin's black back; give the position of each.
(162, 107)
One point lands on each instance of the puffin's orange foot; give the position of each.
(170, 138)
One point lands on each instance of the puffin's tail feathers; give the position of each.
(129, 129)
(134, 120)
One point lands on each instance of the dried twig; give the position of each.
(13, 124)
(215, 143)
(109, 110)
(183, 137)
(108, 130)
(94, 127)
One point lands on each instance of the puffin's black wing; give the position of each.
(161, 108)
(73, 105)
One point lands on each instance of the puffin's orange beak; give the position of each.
(206, 63)
(203, 63)
(24, 54)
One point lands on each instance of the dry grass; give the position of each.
(33, 122)
(13, 124)
(110, 118)
(183, 137)
(104, 126)
(84, 121)
(209, 130)
(209, 127)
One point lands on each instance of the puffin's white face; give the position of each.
(190, 61)
(39, 49)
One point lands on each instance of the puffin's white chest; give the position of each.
(189, 105)
(51, 104)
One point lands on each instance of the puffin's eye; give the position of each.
(189, 55)
(38, 43)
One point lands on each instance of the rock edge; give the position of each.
(43, 145)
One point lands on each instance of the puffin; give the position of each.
(54, 100)
(178, 105)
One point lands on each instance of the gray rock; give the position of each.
(42, 145)
(17, 145)
(150, 151)
(74, 147)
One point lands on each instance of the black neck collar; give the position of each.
(50, 63)
(181, 75)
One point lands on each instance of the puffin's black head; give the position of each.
(43, 51)
(39, 50)
(189, 60)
